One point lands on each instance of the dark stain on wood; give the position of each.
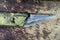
(45, 33)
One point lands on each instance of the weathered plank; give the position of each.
(42, 8)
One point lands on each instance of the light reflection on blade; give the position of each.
(34, 19)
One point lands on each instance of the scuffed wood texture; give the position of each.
(48, 30)
(42, 7)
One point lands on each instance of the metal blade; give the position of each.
(34, 19)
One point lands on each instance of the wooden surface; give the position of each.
(45, 7)
(47, 30)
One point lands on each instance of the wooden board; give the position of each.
(36, 8)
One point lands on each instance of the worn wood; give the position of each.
(28, 7)
(47, 30)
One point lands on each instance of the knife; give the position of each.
(22, 19)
